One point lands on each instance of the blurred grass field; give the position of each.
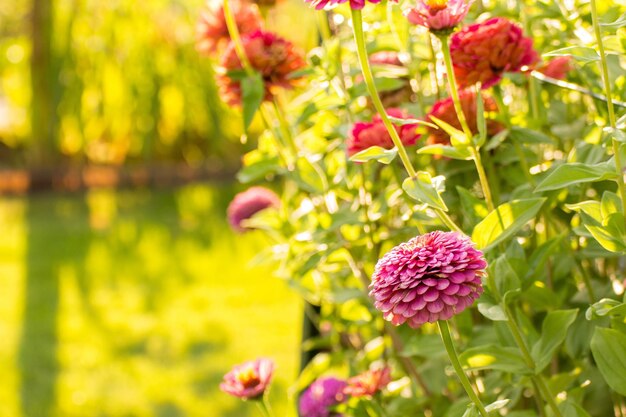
(135, 303)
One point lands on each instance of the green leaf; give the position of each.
(496, 357)
(610, 232)
(252, 94)
(579, 53)
(458, 139)
(377, 153)
(570, 409)
(605, 307)
(504, 221)
(575, 173)
(505, 276)
(423, 190)
(611, 203)
(524, 135)
(310, 176)
(492, 311)
(402, 122)
(553, 332)
(618, 23)
(259, 169)
(618, 134)
(496, 405)
(447, 151)
(471, 411)
(608, 347)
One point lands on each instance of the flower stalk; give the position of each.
(444, 330)
(235, 36)
(609, 104)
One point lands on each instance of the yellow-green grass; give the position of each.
(135, 303)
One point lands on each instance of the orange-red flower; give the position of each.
(368, 383)
(557, 67)
(211, 31)
(482, 52)
(374, 133)
(274, 57)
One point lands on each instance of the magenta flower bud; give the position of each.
(429, 278)
(247, 203)
(249, 380)
(439, 15)
(321, 396)
(482, 52)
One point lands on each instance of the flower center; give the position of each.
(435, 6)
(248, 378)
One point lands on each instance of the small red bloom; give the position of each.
(248, 380)
(368, 383)
(557, 67)
(211, 31)
(374, 133)
(274, 57)
(246, 204)
(444, 110)
(439, 15)
(482, 52)
(429, 278)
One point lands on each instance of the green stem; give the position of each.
(368, 77)
(233, 30)
(454, 91)
(444, 330)
(284, 128)
(262, 404)
(482, 177)
(609, 101)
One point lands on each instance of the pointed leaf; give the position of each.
(424, 190)
(575, 173)
(579, 53)
(608, 347)
(377, 153)
(252, 94)
(457, 137)
(553, 332)
(447, 151)
(504, 221)
(496, 357)
(402, 122)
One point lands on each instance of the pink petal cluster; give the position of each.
(429, 278)
(354, 4)
(211, 32)
(444, 110)
(386, 58)
(439, 15)
(557, 68)
(320, 398)
(368, 383)
(248, 203)
(482, 52)
(374, 133)
(248, 380)
(274, 57)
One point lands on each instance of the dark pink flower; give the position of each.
(248, 380)
(482, 52)
(354, 4)
(274, 57)
(386, 58)
(211, 31)
(439, 15)
(374, 133)
(248, 203)
(429, 278)
(444, 110)
(368, 383)
(320, 398)
(557, 67)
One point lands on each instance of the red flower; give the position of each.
(482, 52)
(444, 110)
(439, 15)
(275, 58)
(211, 31)
(429, 278)
(246, 204)
(368, 383)
(374, 133)
(557, 67)
(354, 4)
(248, 380)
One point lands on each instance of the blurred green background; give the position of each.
(129, 301)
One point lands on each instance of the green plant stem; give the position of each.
(444, 330)
(264, 407)
(609, 101)
(368, 77)
(284, 128)
(456, 100)
(233, 31)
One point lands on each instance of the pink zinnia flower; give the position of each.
(557, 68)
(429, 278)
(386, 58)
(444, 110)
(271, 55)
(248, 380)
(248, 203)
(368, 383)
(321, 396)
(211, 31)
(374, 133)
(439, 15)
(482, 52)
(354, 4)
